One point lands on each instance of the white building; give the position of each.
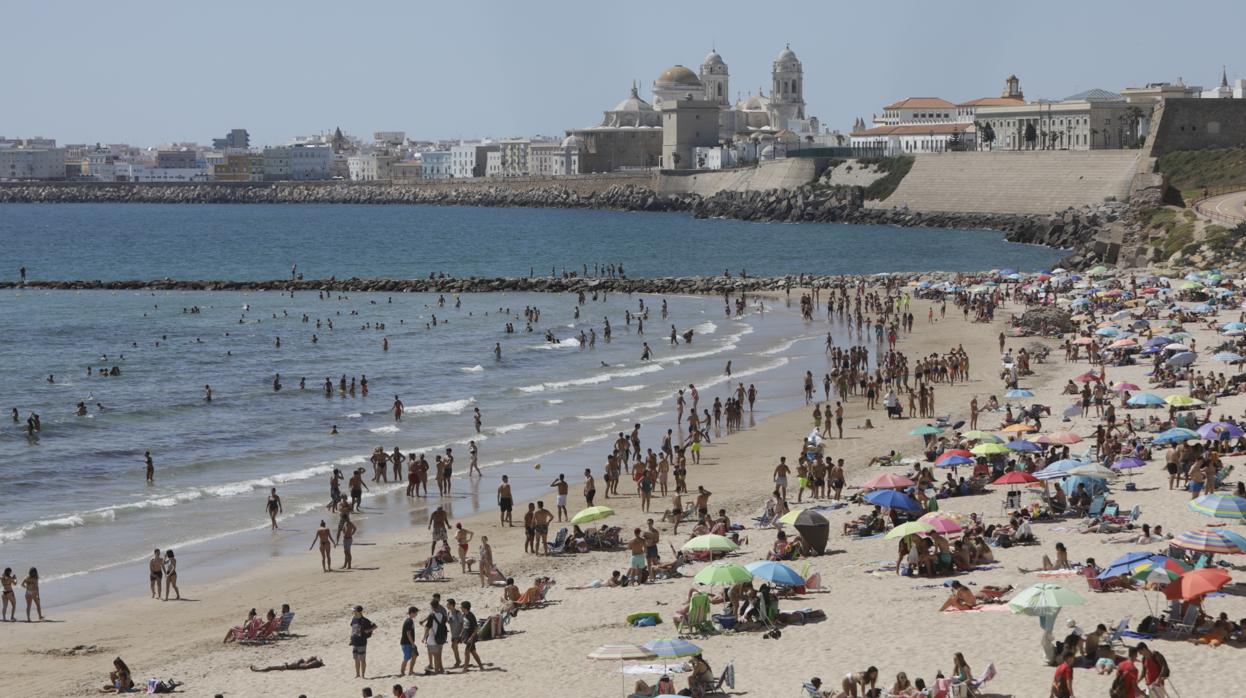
(468, 158)
(930, 124)
(514, 157)
(493, 163)
(132, 172)
(435, 164)
(32, 163)
(555, 158)
(370, 167)
(1090, 120)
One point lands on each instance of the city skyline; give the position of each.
(493, 69)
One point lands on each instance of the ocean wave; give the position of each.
(631, 409)
(706, 327)
(565, 343)
(676, 358)
(595, 379)
(507, 428)
(769, 366)
(449, 407)
(553, 402)
(472, 369)
(387, 429)
(782, 347)
(354, 415)
(629, 388)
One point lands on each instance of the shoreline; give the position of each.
(288, 578)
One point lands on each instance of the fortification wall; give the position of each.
(1198, 124)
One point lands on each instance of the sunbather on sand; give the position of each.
(962, 599)
(309, 663)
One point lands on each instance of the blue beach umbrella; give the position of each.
(1145, 400)
(1023, 446)
(1125, 564)
(1018, 392)
(775, 573)
(953, 461)
(1229, 357)
(1184, 358)
(1175, 435)
(890, 499)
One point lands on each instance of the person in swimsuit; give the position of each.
(348, 537)
(540, 528)
(463, 537)
(155, 566)
(439, 522)
(273, 507)
(357, 486)
(31, 585)
(563, 487)
(859, 680)
(485, 561)
(7, 580)
(325, 537)
(170, 576)
(590, 487)
(505, 503)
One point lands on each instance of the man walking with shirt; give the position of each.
(360, 630)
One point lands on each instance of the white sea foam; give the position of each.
(449, 407)
(782, 347)
(507, 428)
(594, 379)
(761, 368)
(354, 415)
(564, 343)
(631, 409)
(387, 429)
(629, 388)
(706, 327)
(553, 402)
(472, 369)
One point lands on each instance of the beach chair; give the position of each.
(559, 545)
(246, 632)
(1222, 476)
(433, 571)
(1186, 624)
(1096, 506)
(715, 686)
(696, 622)
(1110, 511)
(1203, 561)
(1116, 635)
(975, 685)
(263, 633)
(283, 628)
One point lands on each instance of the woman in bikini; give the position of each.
(31, 585)
(7, 580)
(273, 507)
(859, 680)
(170, 576)
(325, 537)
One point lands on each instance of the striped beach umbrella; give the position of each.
(1219, 506)
(1206, 540)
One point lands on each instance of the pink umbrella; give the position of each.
(887, 481)
(941, 523)
(1058, 437)
(1087, 377)
(1122, 387)
(1083, 340)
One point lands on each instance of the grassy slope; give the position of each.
(1189, 171)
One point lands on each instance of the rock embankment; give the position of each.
(807, 204)
(702, 285)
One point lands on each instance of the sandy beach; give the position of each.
(874, 616)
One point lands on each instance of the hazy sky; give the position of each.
(150, 72)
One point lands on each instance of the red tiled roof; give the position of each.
(993, 102)
(921, 103)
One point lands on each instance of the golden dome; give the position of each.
(679, 75)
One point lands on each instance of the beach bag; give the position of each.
(1149, 625)
(1118, 689)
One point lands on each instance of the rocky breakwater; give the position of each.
(700, 285)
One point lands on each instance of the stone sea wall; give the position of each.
(1073, 230)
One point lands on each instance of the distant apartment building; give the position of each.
(239, 167)
(554, 158)
(25, 162)
(514, 157)
(389, 138)
(135, 172)
(370, 167)
(406, 171)
(176, 159)
(469, 159)
(493, 164)
(435, 164)
(297, 162)
(236, 139)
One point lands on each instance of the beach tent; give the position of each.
(814, 529)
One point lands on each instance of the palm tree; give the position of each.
(1133, 117)
(1031, 135)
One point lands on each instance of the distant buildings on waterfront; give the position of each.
(690, 122)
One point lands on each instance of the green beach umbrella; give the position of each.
(910, 528)
(926, 431)
(1042, 599)
(591, 514)
(710, 543)
(989, 449)
(790, 517)
(724, 573)
(982, 436)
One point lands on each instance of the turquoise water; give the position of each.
(148, 241)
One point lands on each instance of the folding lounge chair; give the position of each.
(1117, 633)
(263, 633)
(433, 571)
(697, 619)
(975, 685)
(727, 678)
(284, 626)
(1186, 624)
(559, 545)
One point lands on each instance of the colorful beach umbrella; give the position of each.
(1145, 400)
(1197, 583)
(955, 452)
(723, 573)
(887, 481)
(710, 543)
(1023, 446)
(1214, 431)
(775, 573)
(951, 461)
(990, 449)
(1122, 387)
(672, 648)
(1206, 540)
(909, 528)
(591, 514)
(1014, 477)
(1018, 428)
(926, 430)
(982, 436)
(942, 524)
(1087, 377)
(1057, 437)
(890, 499)
(1219, 506)
(1044, 599)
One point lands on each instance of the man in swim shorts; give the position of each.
(156, 567)
(637, 566)
(439, 522)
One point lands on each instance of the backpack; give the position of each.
(1163, 665)
(1118, 686)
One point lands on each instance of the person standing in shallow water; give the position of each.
(151, 468)
(273, 507)
(397, 409)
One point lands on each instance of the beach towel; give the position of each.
(980, 608)
(1053, 574)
